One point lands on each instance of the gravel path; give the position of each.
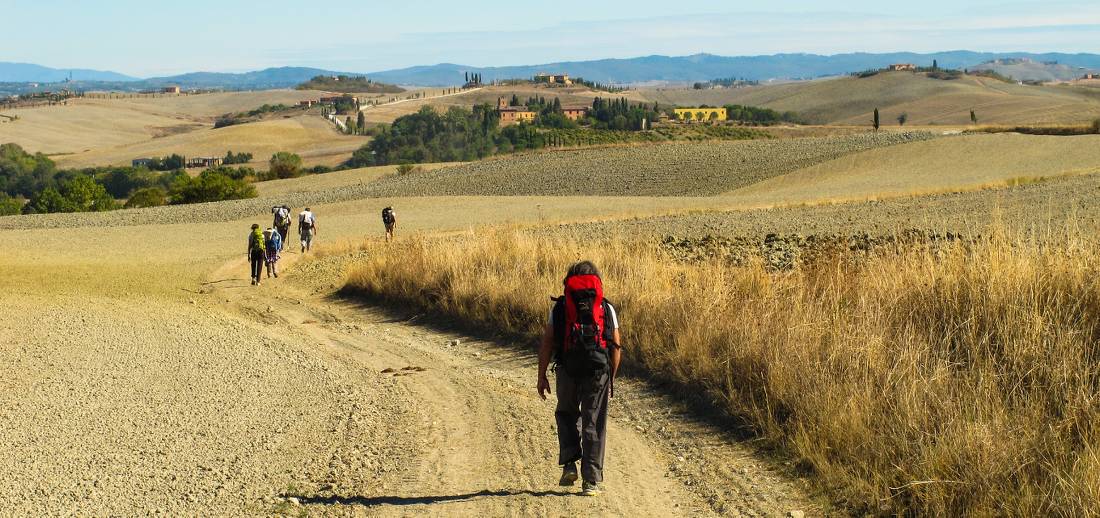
(145, 376)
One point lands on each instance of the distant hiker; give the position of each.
(281, 221)
(582, 337)
(256, 256)
(389, 219)
(307, 228)
(273, 243)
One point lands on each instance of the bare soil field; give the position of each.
(929, 167)
(334, 180)
(1044, 208)
(927, 101)
(679, 169)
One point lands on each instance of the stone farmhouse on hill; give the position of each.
(513, 114)
(555, 79)
(903, 67)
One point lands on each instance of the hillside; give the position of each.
(349, 85)
(1029, 70)
(93, 131)
(850, 100)
(943, 165)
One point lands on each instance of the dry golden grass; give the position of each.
(92, 123)
(943, 165)
(953, 381)
(927, 101)
(309, 135)
(93, 131)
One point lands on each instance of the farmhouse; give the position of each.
(555, 79)
(575, 113)
(308, 103)
(170, 90)
(701, 114)
(513, 114)
(1091, 76)
(204, 162)
(142, 162)
(900, 67)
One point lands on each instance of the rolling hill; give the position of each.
(1029, 70)
(850, 100)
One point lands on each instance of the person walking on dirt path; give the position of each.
(256, 256)
(281, 221)
(273, 243)
(389, 220)
(582, 337)
(307, 228)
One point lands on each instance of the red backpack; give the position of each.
(581, 327)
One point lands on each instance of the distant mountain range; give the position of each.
(703, 67)
(282, 77)
(28, 73)
(648, 69)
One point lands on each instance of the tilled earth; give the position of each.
(675, 169)
(1043, 209)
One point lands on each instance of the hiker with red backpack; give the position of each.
(582, 338)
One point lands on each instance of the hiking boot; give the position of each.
(568, 474)
(591, 489)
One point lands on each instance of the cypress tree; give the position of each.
(876, 120)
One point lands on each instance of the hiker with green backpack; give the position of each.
(256, 253)
(582, 338)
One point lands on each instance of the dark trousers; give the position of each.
(582, 422)
(283, 233)
(257, 259)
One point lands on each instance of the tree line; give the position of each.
(32, 183)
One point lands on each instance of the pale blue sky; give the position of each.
(146, 38)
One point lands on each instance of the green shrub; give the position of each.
(148, 197)
(286, 165)
(210, 186)
(10, 206)
(77, 194)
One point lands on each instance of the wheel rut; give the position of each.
(474, 438)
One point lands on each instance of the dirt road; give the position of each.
(476, 440)
(143, 375)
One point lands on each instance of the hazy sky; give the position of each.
(146, 38)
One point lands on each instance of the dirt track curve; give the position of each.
(146, 377)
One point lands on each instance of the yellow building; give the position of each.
(701, 114)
